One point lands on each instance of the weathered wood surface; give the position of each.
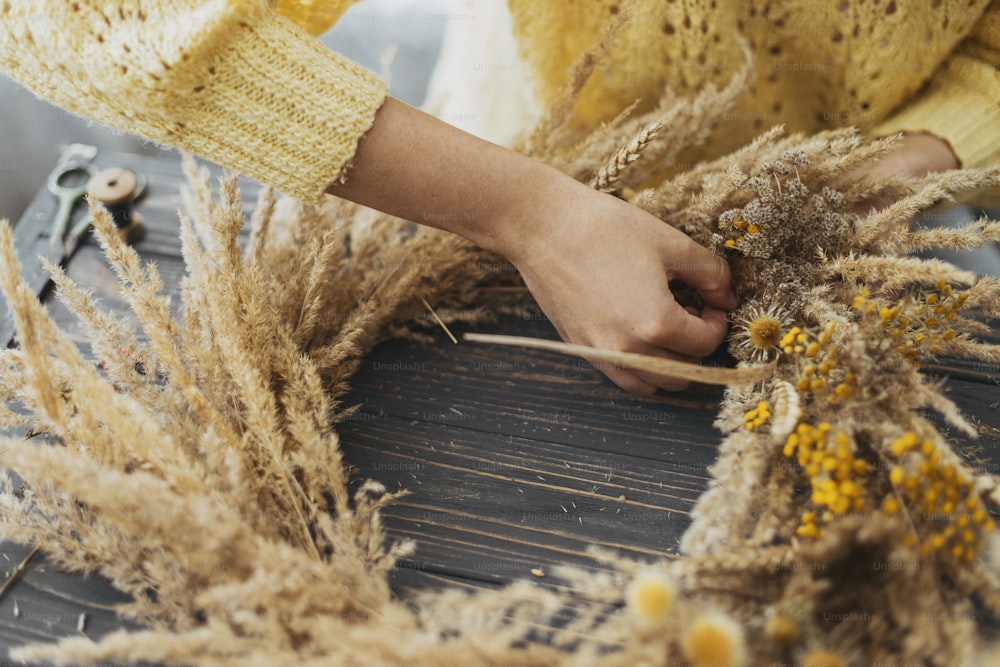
(514, 459)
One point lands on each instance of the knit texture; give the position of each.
(881, 65)
(239, 83)
(231, 80)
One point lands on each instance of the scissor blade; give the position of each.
(82, 152)
(76, 236)
(37, 279)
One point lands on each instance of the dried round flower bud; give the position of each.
(651, 594)
(765, 332)
(823, 659)
(714, 639)
(783, 629)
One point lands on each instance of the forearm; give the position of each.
(233, 82)
(417, 167)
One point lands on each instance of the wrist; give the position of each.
(538, 203)
(931, 152)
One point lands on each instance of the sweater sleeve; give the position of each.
(961, 103)
(231, 80)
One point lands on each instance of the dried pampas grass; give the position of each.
(200, 468)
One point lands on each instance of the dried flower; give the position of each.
(203, 444)
(952, 520)
(783, 629)
(716, 640)
(758, 416)
(651, 595)
(823, 658)
(757, 331)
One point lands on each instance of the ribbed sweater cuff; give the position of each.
(958, 109)
(282, 108)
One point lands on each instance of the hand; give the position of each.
(919, 154)
(599, 268)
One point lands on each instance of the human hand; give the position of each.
(599, 268)
(919, 154)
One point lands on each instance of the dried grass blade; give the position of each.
(607, 178)
(641, 362)
(439, 321)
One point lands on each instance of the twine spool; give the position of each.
(115, 189)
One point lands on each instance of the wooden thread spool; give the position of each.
(115, 189)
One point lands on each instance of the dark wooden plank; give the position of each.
(974, 370)
(158, 207)
(534, 394)
(409, 578)
(90, 270)
(495, 507)
(49, 603)
(515, 459)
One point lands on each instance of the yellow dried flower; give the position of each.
(828, 460)
(758, 416)
(823, 659)
(953, 520)
(651, 594)
(759, 331)
(714, 639)
(783, 629)
(765, 332)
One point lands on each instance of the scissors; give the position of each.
(61, 245)
(68, 196)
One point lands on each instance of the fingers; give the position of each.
(707, 273)
(645, 383)
(680, 334)
(627, 380)
(664, 382)
(683, 331)
(683, 335)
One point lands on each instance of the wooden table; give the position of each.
(516, 460)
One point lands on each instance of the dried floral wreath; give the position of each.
(213, 442)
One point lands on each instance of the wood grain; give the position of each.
(513, 459)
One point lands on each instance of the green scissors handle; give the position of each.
(68, 196)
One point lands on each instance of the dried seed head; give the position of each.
(758, 331)
(714, 639)
(765, 332)
(783, 629)
(651, 594)
(824, 659)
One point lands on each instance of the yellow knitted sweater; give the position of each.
(881, 65)
(241, 82)
(231, 80)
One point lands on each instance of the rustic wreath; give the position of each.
(200, 470)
